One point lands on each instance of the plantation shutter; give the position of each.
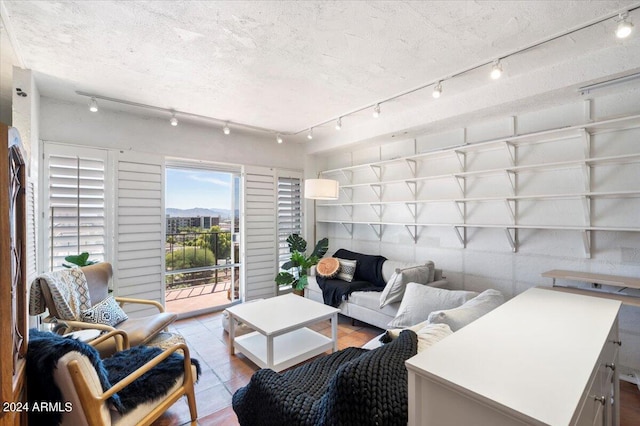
(289, 211)
(140, 234)
(31, 255)
(74, 201)
(260, 234)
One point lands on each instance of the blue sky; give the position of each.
(189, 188)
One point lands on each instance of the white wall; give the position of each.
(65, 122)
(25, 118)
(488, 261)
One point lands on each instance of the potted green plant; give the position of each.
(81, 259)
(300, 263)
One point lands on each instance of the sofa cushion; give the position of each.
(347, 270)
(420, 300)
(328, 267)
(368, 268)
(389, 268)
(395, 288)
(371, 300)
(457, 318)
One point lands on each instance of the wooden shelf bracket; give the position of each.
(349, 228)
(511, 209)
(377, 209)
(413, 186)
(413, 209)
(348, 175)
(586, 241)
(377, 170)
(348, 209)
(461, 233)
(413, 231)
(413, 166)
(377, 228)
(512, 238)
(511, 151)
(348, 192)
(377, 189)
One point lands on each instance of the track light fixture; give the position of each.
(496, 70)
(625, 27)
(93, 105)
(437, 91)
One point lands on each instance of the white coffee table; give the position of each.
(281, 339)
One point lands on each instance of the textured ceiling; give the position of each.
(284, 65)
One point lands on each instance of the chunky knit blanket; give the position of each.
(349, 387)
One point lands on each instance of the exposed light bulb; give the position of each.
(93, 105)
(226, 130)
(624, 27)
(437, 91)
(174, 120)
(278, 138)
(376, 111)
(310, 134)
(496, 70)
(339, 123)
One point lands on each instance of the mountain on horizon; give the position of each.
(198, 211)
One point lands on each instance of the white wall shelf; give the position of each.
(551, 135)
(385, 191)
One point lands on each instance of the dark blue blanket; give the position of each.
(45, 349)
(335, 291)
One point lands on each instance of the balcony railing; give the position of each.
(199, 263)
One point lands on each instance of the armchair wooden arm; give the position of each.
(122, 339)
(124, 300)
(91, 403)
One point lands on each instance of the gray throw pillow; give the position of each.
(347, 269)
(396, 286)
(420, 300)
(457, 318)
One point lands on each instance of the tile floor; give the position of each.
(223, 374)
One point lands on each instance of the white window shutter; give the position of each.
(289, 211)
(260, 233)
(75, 214)
(140, 233)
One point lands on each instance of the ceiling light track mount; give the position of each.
(226, 123)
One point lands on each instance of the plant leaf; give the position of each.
(296, 243)
(321, 248)
(302, 282)
(284, 278)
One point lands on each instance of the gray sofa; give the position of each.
(365, 305)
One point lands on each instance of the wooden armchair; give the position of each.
(138, 330)
(80, 387)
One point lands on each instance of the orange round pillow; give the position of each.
(328, 267)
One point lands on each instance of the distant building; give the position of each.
(174, 224)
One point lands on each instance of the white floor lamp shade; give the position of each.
(321, 189)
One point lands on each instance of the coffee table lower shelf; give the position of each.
(289, 349)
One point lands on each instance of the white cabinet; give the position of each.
(543, 358)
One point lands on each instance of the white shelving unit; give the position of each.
(462, 177)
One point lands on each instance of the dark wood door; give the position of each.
(13, 286)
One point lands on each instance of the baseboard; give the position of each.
(631, 377)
